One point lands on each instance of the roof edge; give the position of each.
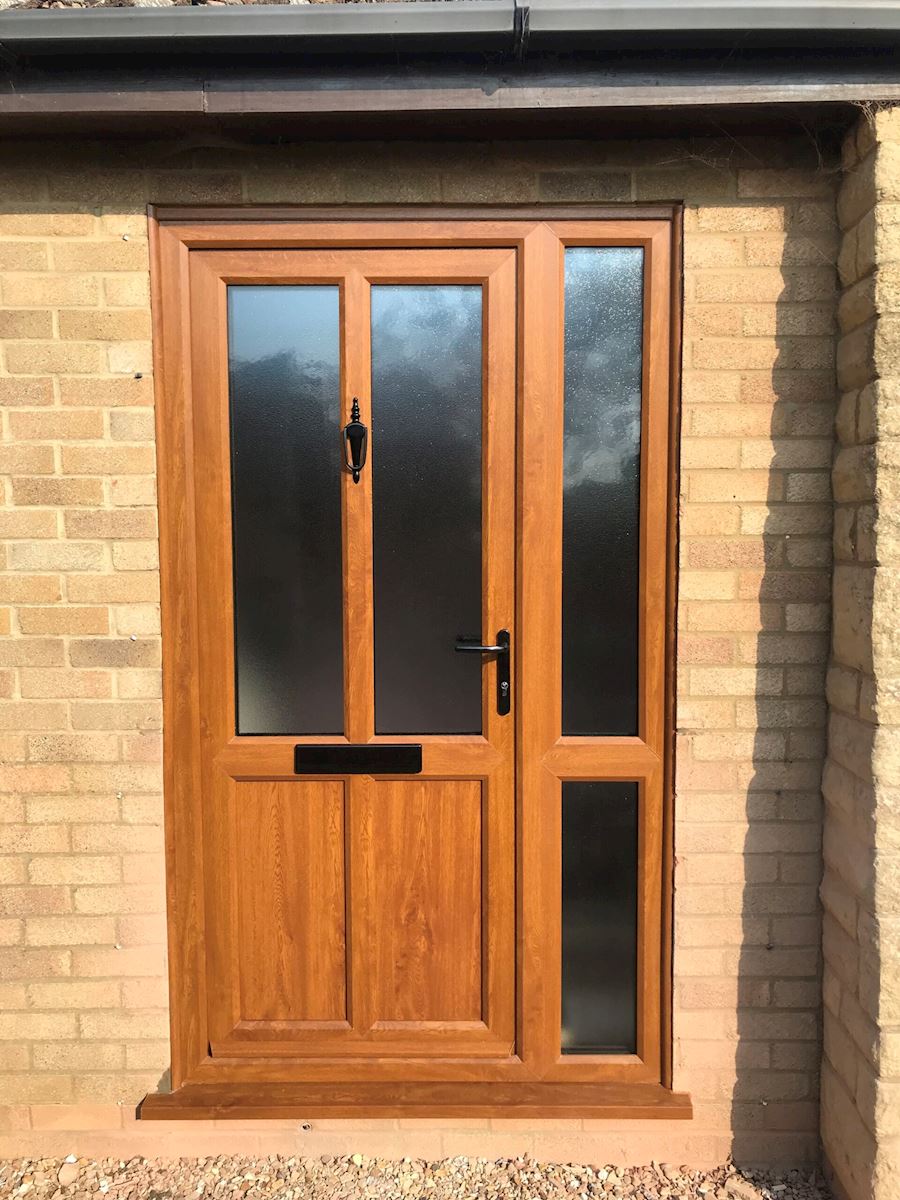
(433, 25)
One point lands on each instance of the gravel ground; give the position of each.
(359, 1178)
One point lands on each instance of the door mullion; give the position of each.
(356, 505)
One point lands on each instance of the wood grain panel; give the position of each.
(421, 871)
(540, 622)
(444, 756)
(356, 510)
(181, 677)
(291, 926)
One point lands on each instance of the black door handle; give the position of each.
(355, 437)
(501, 649)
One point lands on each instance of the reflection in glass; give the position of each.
(601, 487)
(426, 453)
(599, 918)
(284, 370)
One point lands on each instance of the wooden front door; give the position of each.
(356, 915)
(414, 482)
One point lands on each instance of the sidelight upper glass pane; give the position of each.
(601, 489)
(284, 372)
(599, 918)
(426, 450)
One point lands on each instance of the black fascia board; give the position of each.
(454, 26)
(510, 28)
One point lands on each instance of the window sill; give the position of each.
(613, 1101)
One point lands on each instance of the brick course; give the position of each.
(81, 945)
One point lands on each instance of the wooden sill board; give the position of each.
(212, 1101)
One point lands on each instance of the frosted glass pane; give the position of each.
(599, 918)
(601, 486)
(426, 421)
(284, 370)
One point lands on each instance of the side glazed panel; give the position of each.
(599, 917)
(597, 427)
(601, 484)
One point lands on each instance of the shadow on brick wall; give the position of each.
(775, 1107)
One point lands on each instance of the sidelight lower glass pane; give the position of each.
(601, 489)
(599, 917)
(284, 373)
(426, 449)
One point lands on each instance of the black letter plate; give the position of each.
(341, 759)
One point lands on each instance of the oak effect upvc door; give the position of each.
(415, 516)
(356, 914)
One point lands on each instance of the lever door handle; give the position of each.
(501, 649)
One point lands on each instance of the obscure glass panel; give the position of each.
(284, 368)
(601, 488)
(426, 447)
(599, 918)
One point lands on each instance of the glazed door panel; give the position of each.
(362, 916)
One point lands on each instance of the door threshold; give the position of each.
(288, 1101)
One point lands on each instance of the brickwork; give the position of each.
(861, 886)
(82, 987)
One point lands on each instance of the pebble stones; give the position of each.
(358, 1177)
(67, 1173)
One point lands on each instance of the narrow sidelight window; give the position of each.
(601, 488)
(284, 374)
(599, 917)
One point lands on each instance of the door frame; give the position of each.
(614, 1086)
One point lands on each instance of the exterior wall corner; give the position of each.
(861, 886)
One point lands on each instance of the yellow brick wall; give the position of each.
(82, 987)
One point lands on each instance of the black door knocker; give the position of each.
(356, 437)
